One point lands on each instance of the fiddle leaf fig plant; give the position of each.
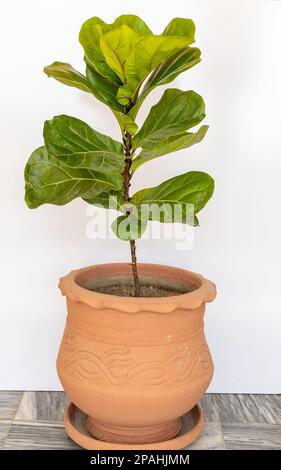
(124, 62)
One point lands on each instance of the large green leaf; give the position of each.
(66, 74)
(145, 56)
(117, 46)
(104, 90)
(171, 144)
(167, 71)
(77, 145)
(183, 27)
(90, 36)
(177, 199)
(176, 112)
(50, 181)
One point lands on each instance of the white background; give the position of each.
(238, 242)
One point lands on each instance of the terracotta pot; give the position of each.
(134, 365)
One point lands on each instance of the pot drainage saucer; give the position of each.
(76, 427)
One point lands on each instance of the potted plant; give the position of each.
(133, 360)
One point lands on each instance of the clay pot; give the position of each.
(134, 365)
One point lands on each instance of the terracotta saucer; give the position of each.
(76, 427)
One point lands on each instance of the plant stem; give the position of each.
(135, 268)
(127, 145)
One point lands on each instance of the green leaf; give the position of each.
(183, 27)
(171, 68)
(172, 144)
(107, 200)
(177, 199)
(167, 71)
(66, 74)
(89, 37)
(116, 47)
(146, 55)
(129, 227)
(134, 22)
(77, 145)
(104, 90)
(49, 181)
(176, 112)
(126, 123)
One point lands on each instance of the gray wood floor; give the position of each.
(34, 420)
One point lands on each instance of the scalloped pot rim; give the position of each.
(206, 291)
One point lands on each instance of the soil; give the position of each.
(146, 291)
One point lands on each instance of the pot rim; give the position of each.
(206, 292)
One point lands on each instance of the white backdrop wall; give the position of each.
(238, 243)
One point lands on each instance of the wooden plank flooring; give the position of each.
(34, 420)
